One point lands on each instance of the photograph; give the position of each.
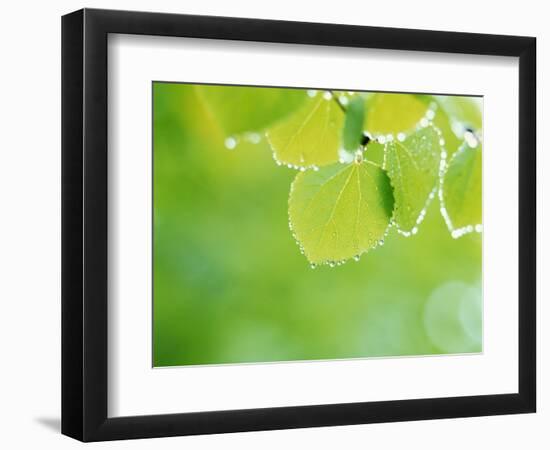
(307, 224)
(274, 225)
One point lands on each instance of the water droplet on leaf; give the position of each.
(230, 143)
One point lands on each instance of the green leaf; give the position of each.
(462, 109)
(353, 124)
(393, 113)
(454, 115)
(240, 108)
(374, 152)
(340, 211)
(309, 137)
(441, 121)
(461, 189)
(413, 168)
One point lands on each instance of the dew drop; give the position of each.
(356, 258)
(344, 156)
(458, 129)
(313, 266)
(401, 137)
(424, 122)
(479, 228)
(381, 139)
(430, 114)
(253, 138)
(389, 138)
(471, 139)
(311, 93)
(343, 100)
(230, 143)
(442, 142)
(327, 95)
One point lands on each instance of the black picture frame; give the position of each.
(84, 224)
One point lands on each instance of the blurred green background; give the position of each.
(230, 285)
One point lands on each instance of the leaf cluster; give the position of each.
(365, 162)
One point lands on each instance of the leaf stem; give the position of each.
(337, 100)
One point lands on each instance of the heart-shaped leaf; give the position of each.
(311, 136)
(412, 163)
(462, 187)
(463, 110)
(393, 113)
(340, 211)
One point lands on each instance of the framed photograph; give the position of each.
(273, 224)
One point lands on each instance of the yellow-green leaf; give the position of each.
(413, 167)
(393, 113)
(241, 108)
(464, 110)
(442, 121)
(461, 189)
(340, 211)
(310, 136)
